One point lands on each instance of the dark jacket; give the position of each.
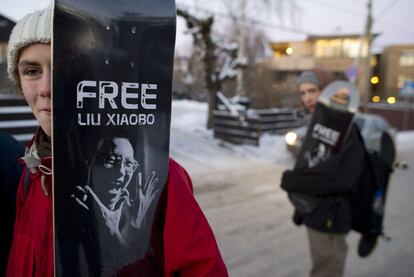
(10, 170)
(331, 183)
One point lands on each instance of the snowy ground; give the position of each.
(194, 146)
(238, 190)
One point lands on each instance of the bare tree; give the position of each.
(207, 48)
(201, 32)
(244, 9)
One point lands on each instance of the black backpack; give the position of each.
(368, 198)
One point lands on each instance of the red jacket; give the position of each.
(189, 244)
(31, 253)
(190, 248)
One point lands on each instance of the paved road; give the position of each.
(250, 216)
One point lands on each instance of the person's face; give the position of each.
(35, 79)
(113, 169)
(309, 94)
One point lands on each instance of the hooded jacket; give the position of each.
(189, 246)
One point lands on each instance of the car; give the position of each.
(371, 127)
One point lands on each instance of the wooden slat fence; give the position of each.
(16, 118)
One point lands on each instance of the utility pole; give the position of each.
(366, 82)
(242, 48)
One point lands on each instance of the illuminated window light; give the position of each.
(276, 54)
(391, 100)
(376, 99)
(374, 80)
(374, 61)
(289, 50)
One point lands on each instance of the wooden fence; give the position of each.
(16, 118)
(246, 128)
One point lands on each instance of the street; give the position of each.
(251, 218)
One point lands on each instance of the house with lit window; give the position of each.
(396, 69)
(339, 54)
(334, 53)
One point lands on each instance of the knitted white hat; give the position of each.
(35, 27)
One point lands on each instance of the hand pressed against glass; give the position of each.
(309, 94)
(34, 70)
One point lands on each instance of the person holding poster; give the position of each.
(188, 247)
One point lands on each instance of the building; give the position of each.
(336, 53)
(396, 68)
(6, 26)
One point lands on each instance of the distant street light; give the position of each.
(391, 100)
(289, 50)
(374, 80)
(376, 99)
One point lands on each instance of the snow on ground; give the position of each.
(251, 216)
(195, 147)
(405, 139)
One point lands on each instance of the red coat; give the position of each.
(189, 244)
(190, 248)
(31, 253)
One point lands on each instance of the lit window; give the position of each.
(276, 54)
(407, 58)
(325, 48)
(351, 48)
(374, 61)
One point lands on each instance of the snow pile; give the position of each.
(195, 147)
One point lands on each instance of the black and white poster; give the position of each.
(327, 131)
(112, 73)
(330, 124)
(324, 137)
